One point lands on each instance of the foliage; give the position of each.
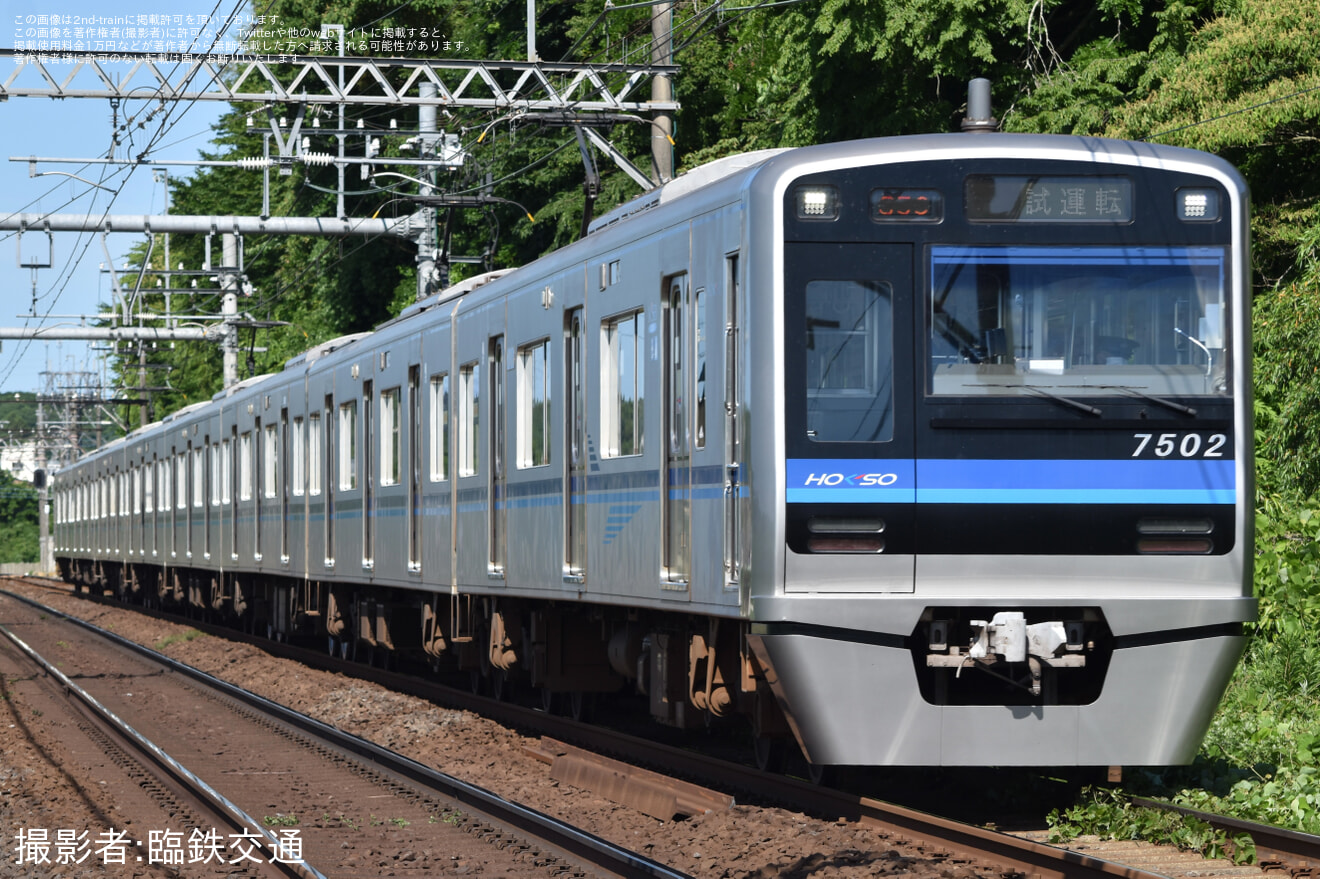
(18, 521)
(1111, 815)
(1239, 80)
(1261, 757)
(18, 412)
(1288, 385)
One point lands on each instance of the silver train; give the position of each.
(928, 450)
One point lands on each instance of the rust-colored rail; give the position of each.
(598, 855)
(1277, 848)
(931, 834)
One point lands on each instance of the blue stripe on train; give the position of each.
(979, 481)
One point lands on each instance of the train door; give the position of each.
(231, 488)
(676, 478)
(367, 444)
(209, 492)
(575, 442)
(255, 475)
(732, 439)
(414, 439)
(497, 507)
(329, 463)
(286, 476)
(849, 436)
(437, 522)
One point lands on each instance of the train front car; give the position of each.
(1010, 469)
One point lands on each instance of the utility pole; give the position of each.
(662, 92)
(427, 245)
(45, 547)
(229, 281)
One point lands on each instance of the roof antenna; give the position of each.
(978, 116)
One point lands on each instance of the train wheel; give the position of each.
(549, 700)
(825, 776)
(581, 705)
(474, 681)
(771, 753)
(499, 685)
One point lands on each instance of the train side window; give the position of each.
(166, 484)
(313, 460)
(245, 466)
(182, 476)
(226, 473)
(439, 427)
(622, 382)
(348, 445)
(469, 381)
(270, 455)
(216, 485)
(390, 448)
(534, 429)
(198, 477)
(298, 445)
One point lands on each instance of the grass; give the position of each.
(179, 638)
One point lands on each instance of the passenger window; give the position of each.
(390, 448)
(469, 378)
(348, 446)
(534, 430)
(314, 454)
(439, 427)
(849, 363)
(622, 384)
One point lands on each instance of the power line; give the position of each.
(1231, 113)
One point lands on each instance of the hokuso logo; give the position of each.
(865, 480)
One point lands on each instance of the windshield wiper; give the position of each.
(1176, 407)
(1050, 395)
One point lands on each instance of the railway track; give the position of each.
(235, 755)
(922, 833)
(1277, 849)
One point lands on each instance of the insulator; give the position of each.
(317, 158)
(254, 163)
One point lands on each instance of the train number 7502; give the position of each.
(1186, 445)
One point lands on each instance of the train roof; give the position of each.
(453, 291)
(242, 386)
(185, 411)
(316, 352)
(692, 181)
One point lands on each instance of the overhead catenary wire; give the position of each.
(66, 275)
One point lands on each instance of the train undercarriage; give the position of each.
(692, 670)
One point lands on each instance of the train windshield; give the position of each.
(849, 361)
(1078, 321)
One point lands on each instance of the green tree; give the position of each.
(18, 521)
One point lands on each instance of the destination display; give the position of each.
(1019, 199)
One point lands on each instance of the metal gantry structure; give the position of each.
(581, 96)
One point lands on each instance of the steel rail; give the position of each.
(197, 787)
(585, 846)
(1276, 847)
(936, 833)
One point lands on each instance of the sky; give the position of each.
(82, 128)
